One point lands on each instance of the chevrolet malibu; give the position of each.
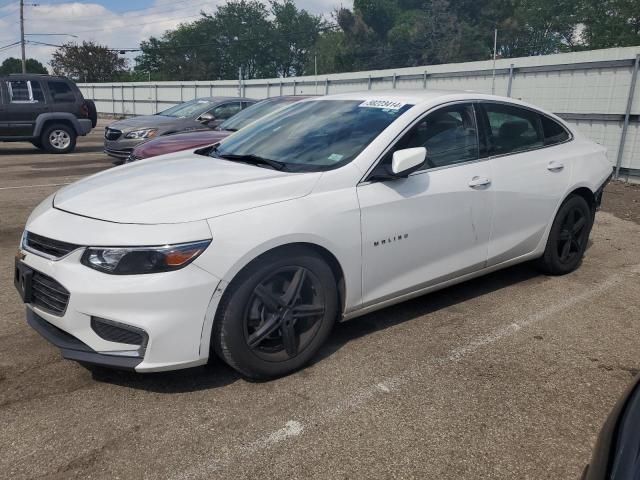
(251, 249)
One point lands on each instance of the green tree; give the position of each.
(88, 62)
(14, 65)
(295, 35)
(610, 23)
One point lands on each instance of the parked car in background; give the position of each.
(202, 138)
(616, 455)
(324, 211)
(48, 111)
(121, 137)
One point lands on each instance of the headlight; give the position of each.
(146, 133)
(140, 260)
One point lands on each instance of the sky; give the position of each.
(116, 23)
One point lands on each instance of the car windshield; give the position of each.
(191, 109)
(313, 135)
(254, 112)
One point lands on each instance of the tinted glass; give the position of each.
(36, 91)
(554, 133)
(19, 91)
(314, 135)
(512, 129)
(61, 92)
(191, 109)
(226, 110)
(450, 136)
(255, 112)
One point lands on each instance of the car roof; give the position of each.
(427, 98)
(222, 99)
(35, 76)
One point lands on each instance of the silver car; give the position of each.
(122, 136)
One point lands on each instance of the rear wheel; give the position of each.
(568, 237)
(58, 138)
(275, 316)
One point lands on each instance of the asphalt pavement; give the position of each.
(507, 376)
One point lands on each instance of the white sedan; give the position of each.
(253, 248)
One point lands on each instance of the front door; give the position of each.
(434, 225)
(24, 103)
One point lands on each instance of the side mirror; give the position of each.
(407, 161)
(206, 118)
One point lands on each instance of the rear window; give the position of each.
(61, 92)
(25, 91)
(512, 129)
(554, 133)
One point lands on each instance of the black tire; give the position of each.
(244, 315)
(58, 138)
(37, 144)
(93, 112)
(568, 237)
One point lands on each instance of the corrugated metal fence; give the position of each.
(594, 90)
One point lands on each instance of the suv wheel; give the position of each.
(58, 138)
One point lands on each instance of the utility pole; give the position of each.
(24, 59)
(495, 54)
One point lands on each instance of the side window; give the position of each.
(554, 133)
(450, 136)
(226, 110)
(61, 92)
(512, 129)
(36, 92)
(246, 104)
(24, 91)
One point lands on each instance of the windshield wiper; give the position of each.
(251, 159)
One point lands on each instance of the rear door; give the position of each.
(26, 101)
(62, 96)
(4, 119)
(530, 165)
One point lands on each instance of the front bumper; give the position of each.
(171, 307)
(73, 349)
(122, 147)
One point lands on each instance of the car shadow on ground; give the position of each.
(217, 374)
(30, 151)
(418, 307)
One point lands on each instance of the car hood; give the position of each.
(180, 187)
(149, 121)
(178, 142)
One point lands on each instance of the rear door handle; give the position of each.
(555, 166)
(477, 182)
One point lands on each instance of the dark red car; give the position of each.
(202, 138)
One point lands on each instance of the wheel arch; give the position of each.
(322, 251)
(46, 119)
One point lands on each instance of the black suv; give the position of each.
(48, 111)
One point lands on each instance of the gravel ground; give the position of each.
(507, 376)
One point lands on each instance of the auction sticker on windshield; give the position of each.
(384, 104)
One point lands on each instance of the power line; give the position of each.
(76, 18)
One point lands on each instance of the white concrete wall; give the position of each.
(592, 83)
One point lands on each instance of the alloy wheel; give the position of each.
(284, 314)
(59, 139)
(573, 235)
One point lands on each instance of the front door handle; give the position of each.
(477, 182)
(555, 166)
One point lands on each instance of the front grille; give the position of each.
(48, 246)
(112, 133)
(48, 294)
(117, 332)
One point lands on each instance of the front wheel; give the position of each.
(276, 314)
(568, 237)
(58, 138)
